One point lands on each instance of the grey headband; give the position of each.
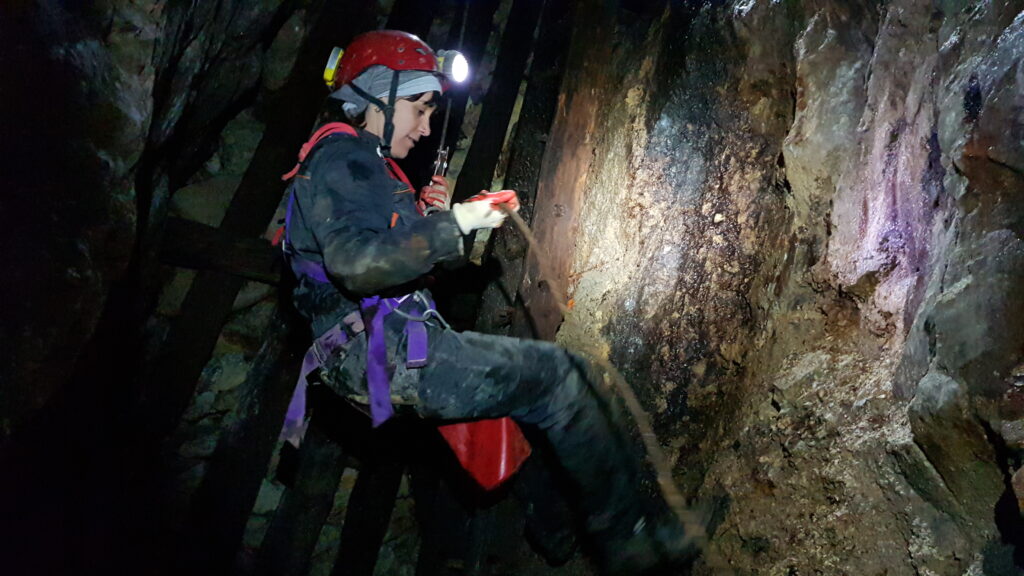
(376, 80)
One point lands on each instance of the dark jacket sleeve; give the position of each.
(348, 209)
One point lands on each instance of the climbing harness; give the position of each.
(372, 310)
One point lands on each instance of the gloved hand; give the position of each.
(481, 211)
(435, 197)
(500, 197)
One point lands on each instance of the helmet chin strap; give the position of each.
(388, 109)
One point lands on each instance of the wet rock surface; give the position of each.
(799, 238)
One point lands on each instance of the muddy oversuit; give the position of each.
(357, 221)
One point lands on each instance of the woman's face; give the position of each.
(411, 120)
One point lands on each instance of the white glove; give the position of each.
(477, 215)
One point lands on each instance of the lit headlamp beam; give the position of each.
(454, 65)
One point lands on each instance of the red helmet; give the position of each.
(392, 48)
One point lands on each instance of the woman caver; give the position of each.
(360, 246)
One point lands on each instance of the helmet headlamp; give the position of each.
(453, 65)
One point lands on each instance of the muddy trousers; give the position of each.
(539, 384)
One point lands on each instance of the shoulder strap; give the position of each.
(398, 174)
(321, 133)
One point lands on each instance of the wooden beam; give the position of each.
(221, 505)
(437, 480)
(171, 381)
(501, 309)
(566, 164)
(367, 518)
(293, 533)
(291, 113)
(479, 18)
(489, 137)
(195, 245)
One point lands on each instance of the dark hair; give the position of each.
(334, 111)
(436, 97)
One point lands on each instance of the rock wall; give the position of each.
(111, 109)
(118, 105)
(75, 116)
(799, 237)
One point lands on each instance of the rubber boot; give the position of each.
(656, 544)
(596, 441)
(548, 526)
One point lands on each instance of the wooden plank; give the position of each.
(195, 245)
(382, 454)
(479, 17)
(292, 535)
(482, 528)
(291, 113)
(501, 309)
(444, 520)
(566, 164)
(171, 381)
(224, 499)
(419, 163)
(367, 518)
(489, 135)
(425, 484)
(489, 138)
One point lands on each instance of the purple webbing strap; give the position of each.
(323, 347)
(377, 370)
(417, 345)
(314, 270)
